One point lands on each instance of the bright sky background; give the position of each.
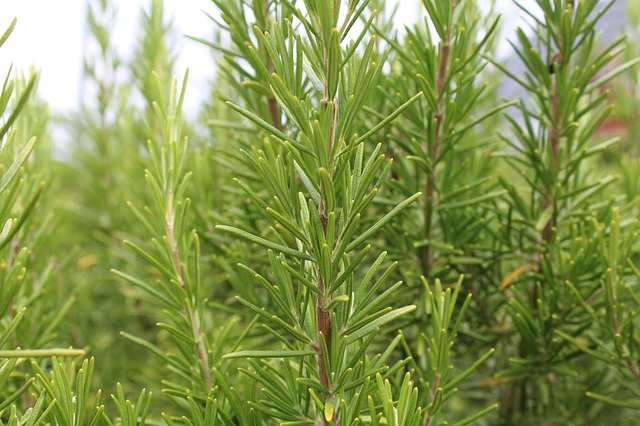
(49, 35)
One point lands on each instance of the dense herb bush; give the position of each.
(356, 229)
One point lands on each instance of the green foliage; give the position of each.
(552, 148)
(300, 260)
(27, 325)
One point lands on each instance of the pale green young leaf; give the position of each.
(264, 242)
(268, 354)
(13, 170)
(357, 332)
(382, 222)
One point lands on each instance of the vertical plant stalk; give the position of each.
(554, 142)
(547, 203)
(323, 315)
(188, 309)
(272, 103)
(323, 332)
(437, 140)
(631, 366)
(434, 391)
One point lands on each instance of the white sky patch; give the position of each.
(48, 37)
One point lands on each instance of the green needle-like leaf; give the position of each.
(268, 354)
(264, 242)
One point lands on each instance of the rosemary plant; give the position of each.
(362, 234)
(548, 217)
(27, 324)
(325, 318)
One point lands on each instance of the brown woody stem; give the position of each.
(431, 178)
